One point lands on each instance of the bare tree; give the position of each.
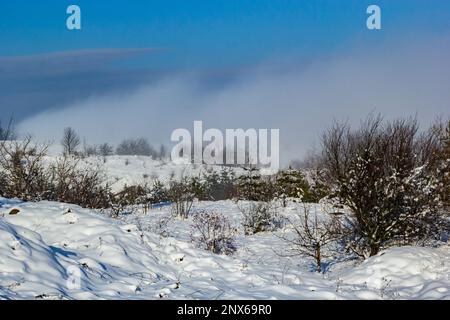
(312, 235)
(70, 141)
(106, 149)
(135, 147)
(8, 132)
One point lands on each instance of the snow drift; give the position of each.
(125, 259)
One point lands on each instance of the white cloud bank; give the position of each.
(397, 80)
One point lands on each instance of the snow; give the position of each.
(412, 271)
(123, 171)
(127, 258)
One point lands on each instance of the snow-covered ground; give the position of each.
(45, 245)
(140, 170)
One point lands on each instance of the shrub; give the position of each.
(198, 188)
(130, 198)
(319, 186)
(292, 184)
(213, 185)
(161, 226)
(315, 175)
(383, 174)
(254, 187)
(220, 186)
(133, 194)
(213, 232)
(258, 217)
(441, 132)
(312, 235)
(182, 196)
(85, 186)
(22, 172)
(158, 193)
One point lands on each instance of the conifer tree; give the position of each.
(252, 186)
(291, 183)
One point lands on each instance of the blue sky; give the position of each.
(199, 33)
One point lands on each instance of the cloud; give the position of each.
(396, 80)
(64, 61)
(30, 84)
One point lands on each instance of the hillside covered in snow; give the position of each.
(43, 245)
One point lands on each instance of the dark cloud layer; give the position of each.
(31, 84)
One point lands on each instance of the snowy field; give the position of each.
(139, 170)
(132, 258)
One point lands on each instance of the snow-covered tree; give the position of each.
(382, 174)
(444, 169)
(254, 187)
(258, 216)
(158, 193)
(291, 183)
(220, 185)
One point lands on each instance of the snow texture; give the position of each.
(127, 258)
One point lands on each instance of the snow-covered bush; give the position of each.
(213, 185)
(220, 186)
(129, 199)
(24, 175)
(252, 186)
(182, 197)
(161, 226)
(291, 184)
(85, 186)
(198, 187)
(313, 235)
(22, 172)
(213, 232)
(442, 131)
(383, 173)
(259, 216)
(134, 195)
(158, 193)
